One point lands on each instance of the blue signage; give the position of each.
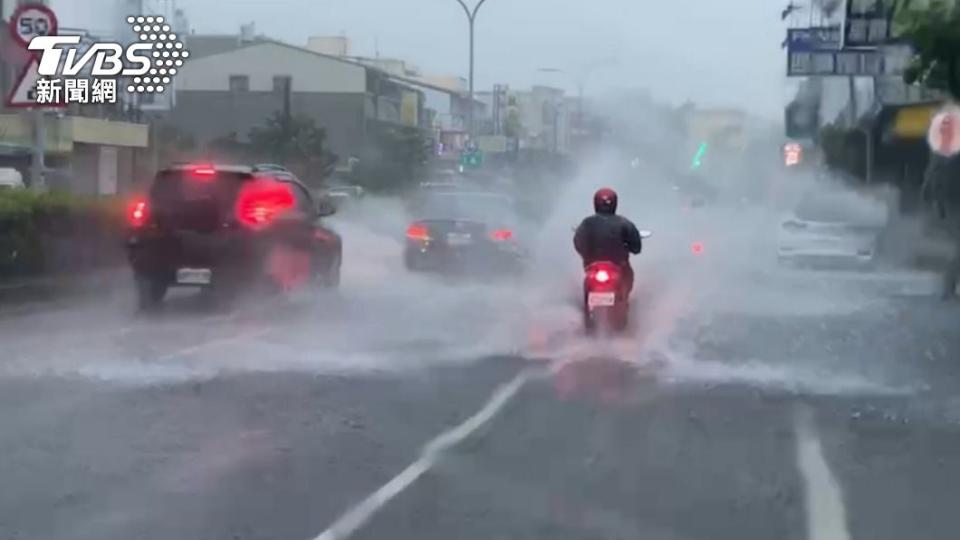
(825, 38)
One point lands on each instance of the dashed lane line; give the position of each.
(826, 513)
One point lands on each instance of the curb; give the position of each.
(46, 289)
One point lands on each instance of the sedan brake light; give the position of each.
(501, 235)
(418, 231)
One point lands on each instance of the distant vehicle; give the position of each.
(832, 230)
(344, 195)
(11, 178)
(225, 228)
(463, 231)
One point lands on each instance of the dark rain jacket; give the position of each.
(607, 237)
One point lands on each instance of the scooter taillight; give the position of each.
(603, 274)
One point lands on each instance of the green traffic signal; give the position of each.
(698, 158)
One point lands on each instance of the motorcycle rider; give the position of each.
(605, 236)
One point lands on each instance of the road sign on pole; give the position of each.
(24, 93)
(944, 133)
(30, 21)
(27, 22)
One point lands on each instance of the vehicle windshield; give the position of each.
(332, 270)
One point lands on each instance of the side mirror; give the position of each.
(325, 207)
(645, 234)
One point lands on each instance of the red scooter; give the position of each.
(606, 300)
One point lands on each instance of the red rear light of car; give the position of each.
(418, 231)
(138, 213)
(697, 248)
(260, 202)
(501, 235)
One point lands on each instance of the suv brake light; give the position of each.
(204, 171)
(260, 202)
(138, 213)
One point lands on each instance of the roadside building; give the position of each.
(234, 83)
(545, 116)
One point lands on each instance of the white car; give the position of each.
(11, 179)
(834, 230)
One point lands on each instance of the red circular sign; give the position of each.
(30, 21)
(944, 133)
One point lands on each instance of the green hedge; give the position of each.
(55, 232)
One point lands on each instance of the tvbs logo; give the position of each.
(155, 56)
(109, 59)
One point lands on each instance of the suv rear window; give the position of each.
(182, 199)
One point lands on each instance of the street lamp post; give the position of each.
(471, 18)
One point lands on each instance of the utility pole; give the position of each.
(471, 19)
(38, 150)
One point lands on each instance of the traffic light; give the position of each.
(792, 154)
(471, 159)
(698, 157)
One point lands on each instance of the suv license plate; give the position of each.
(604, 299)
(194, 276)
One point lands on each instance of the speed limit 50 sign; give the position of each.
(30, 21)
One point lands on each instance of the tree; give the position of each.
(294, 139)
(934, 33)
(398, 157)
(172, 143)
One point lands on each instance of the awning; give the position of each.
(904, 123)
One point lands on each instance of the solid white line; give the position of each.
(356, 517)
(826, 513)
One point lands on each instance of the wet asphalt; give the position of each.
(818, 406)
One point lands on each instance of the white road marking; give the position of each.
(826, 513)
(359, 515)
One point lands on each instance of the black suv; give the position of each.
(227, 227)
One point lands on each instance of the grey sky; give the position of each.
(712, 52)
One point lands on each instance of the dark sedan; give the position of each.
(463, 231)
